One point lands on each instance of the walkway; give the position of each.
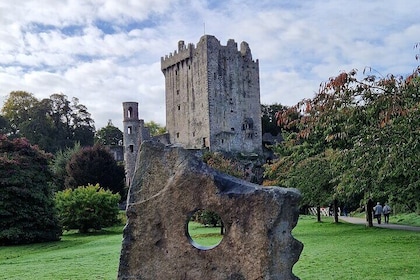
(362, 221)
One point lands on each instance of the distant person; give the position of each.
(377, 210)
(386, 210)
(345, 210)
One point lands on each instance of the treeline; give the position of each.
(53, 123)
(356, 139)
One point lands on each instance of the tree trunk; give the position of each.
(335, 211)
(369, 211)
(318, 213)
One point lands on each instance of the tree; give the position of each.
(58, 166)
(155, 128)
(4, 126)
(39, 129)
(268, 118)
(16, 109)
(109, 135)
(82, 124)
(313, 177)
(372, 127)
(53, 123)
(87, 207)
(72, 121)
(27, 212)
(95, 165)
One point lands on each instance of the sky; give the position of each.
(106, 52)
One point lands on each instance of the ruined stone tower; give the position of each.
(134, 134)
(213, 96)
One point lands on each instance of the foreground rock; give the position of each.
(170, 184)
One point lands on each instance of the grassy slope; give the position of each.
(331, 251)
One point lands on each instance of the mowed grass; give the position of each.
(332, 251)
(75, 257)
(205, 236)
(345, 251)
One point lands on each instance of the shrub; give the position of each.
(27, 213)
(224, 164)
(87, 207)
(92, 165)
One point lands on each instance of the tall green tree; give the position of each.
(268, 118)
(82, 124)
(16, 109)
(58, 166)
(53, 123)
(155, 128)
(109, 135)
(27, 212)
(38, 129)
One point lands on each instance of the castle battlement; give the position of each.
(183, 53)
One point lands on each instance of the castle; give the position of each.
(212, 95)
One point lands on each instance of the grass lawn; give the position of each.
(345, 251)
(204, 236)
(75, 257)
(331, 251)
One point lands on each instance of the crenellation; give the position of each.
(183, 53)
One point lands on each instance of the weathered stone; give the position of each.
(169, 185)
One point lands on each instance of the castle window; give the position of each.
(179, 107)
(248, 124)
(193, 134)
(129, 112)
(131, 147)
(232, 129)
(177, 92)
(177, 135)
(129, 130)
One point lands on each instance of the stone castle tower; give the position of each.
(212, 101)
(134, 134)
(213, 96)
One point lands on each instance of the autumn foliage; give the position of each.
(367, 129)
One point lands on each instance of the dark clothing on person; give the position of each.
(386, 210)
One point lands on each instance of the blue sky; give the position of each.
(108, 52)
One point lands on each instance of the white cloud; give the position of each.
(107, 52)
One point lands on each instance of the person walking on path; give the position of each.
(386, 210)
(378, 212)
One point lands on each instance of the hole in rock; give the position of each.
(204, 229)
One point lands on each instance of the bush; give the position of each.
(87, 207)
(95, 165)
(27, 213)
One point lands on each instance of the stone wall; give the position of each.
(213, 96)
(169, 185)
